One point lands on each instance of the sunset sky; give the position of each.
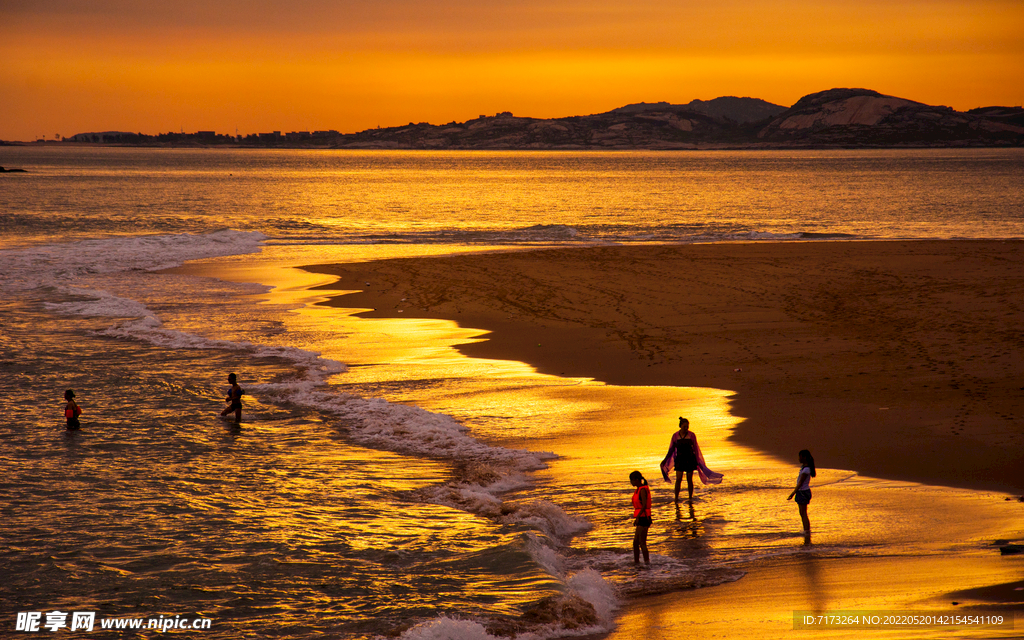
(70, 66)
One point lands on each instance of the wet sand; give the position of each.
(899, 360)
(765, 602)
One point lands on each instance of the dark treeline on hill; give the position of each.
(856, 118)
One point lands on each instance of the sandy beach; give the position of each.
(900, 360)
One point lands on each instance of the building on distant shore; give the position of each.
(107, 137)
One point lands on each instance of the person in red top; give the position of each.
(642, 515)
(72, 411)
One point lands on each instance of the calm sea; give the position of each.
(380, 483)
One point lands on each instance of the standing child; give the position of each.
(234, 398)
(72, 411)
(642, 514)
(803, 490)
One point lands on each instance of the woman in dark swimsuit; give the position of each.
(686, 457)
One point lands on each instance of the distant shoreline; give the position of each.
(833, 119)
(708, 147)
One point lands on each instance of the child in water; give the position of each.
(803, 489)
(642, 513)
(72, 411)
(234, 399)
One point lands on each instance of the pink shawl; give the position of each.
(707, 476)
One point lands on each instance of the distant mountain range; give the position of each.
(834, 118)
(856, 118)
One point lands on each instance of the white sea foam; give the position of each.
(550, 232)
(765, 235)
(574, 621)
(144, 325)
(93, 302)
(405, 429)
(586, 584)
(592, 587)
(549, 518)
(545, 556)
(445, 628)
(61, 265)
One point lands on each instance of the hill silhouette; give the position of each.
(833, 118)
(855, 118)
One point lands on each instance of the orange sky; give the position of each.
(74, 66)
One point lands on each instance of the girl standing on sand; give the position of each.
(803, 489)
(642, 515)
(684, 454)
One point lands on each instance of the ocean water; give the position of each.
(381, 484)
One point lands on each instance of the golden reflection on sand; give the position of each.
(762, 604)
(922, 541)
(601, 432)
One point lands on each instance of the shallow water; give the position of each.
(380, 479)
(278, 527)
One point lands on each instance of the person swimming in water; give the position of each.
(234, 398)
(72, 411)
